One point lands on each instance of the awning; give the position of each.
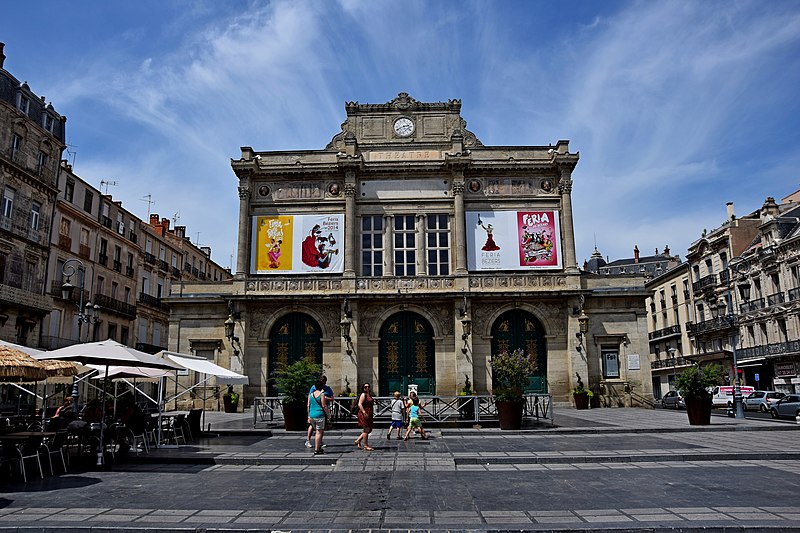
(204, 366)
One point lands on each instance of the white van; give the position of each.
(723, 396)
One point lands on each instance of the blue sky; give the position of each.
(676, 107)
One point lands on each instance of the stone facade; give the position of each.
(408, 252)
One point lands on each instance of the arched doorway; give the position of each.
(293, 337)
(519, 329)
(406, 354)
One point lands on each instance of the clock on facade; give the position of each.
(404, 126)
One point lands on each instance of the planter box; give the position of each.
(698, 411)
(510, 414)
(581, 400)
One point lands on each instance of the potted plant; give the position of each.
(694, 383)
(511, 373)
(466, 405)
(581, 395)
(294, 381)
(230, 400)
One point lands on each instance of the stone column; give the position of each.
(422, 260)
(350, 224)
(388, 245)
(244, 229)
(568, 246)
(459, 224)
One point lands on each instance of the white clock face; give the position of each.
(403, 126)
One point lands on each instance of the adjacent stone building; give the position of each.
(31, 144)
(407, 252)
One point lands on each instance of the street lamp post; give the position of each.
(87, 314)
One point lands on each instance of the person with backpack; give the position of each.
(328, 392)
(318, 413)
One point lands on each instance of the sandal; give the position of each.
(369, 449)
(358, 444)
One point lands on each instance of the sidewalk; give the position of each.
(608, 469)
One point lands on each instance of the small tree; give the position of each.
(695, 381)
(295, 380)
(511, 373)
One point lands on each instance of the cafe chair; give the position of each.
(29, 449)
(56, 445)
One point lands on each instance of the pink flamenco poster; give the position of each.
(537, 235)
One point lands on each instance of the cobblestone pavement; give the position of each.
(608, 469)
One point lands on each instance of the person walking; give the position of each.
(414, 416)
(365, 417)
(318, 413)
(398, 408)
(328, 392)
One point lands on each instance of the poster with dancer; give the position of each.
(298, 244)
(513, 240)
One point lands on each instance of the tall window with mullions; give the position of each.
(372, 245)
(405, 245)
(438, 245)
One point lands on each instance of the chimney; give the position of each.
(635, 254)
(666, 250)
(729, 207)
(165, 224)
(2, 55)
(154, 220)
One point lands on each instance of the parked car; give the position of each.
(761, 400)
(786, 407)
(673, 400)
(722, 396)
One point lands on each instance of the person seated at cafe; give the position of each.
(65, 410)
(92, 412)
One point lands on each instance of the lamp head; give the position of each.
(466, 326)
(744, 289)
(229, 325)
(345, 325)
(583, 323)
(66, 290)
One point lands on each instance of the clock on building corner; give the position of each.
(404, 127)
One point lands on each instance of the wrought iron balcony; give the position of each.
(775, 299)
(149, 258)
(704, 283)
(132, 237)
(152, 301)
(117, 265)
(176, 273)
(112, 304)
(715, 324)
(794, 294)
(764, 350)
(752, 305)
(672, 362)
(664, 332)
(163, 265)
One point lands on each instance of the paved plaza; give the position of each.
(608, 469)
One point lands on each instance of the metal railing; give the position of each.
(704, 282)
(437, 410)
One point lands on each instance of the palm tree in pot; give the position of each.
(511, 373)
(695, 383)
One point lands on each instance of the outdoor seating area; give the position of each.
(118, 417)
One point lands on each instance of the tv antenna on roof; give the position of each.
(176, 218)
(107, 183)
(150, 201)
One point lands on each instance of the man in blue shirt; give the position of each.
(328, 392)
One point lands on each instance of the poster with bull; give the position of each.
(513, 240)
(298, 244)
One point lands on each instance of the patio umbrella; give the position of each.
(16, 365)
(107, 353)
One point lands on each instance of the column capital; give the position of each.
(244, 192)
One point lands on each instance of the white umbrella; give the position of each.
(107, 353)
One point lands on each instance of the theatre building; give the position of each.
(408, 252)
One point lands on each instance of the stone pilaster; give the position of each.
(245, 228)
(568, 246)
(350, 223)
(459, 224)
